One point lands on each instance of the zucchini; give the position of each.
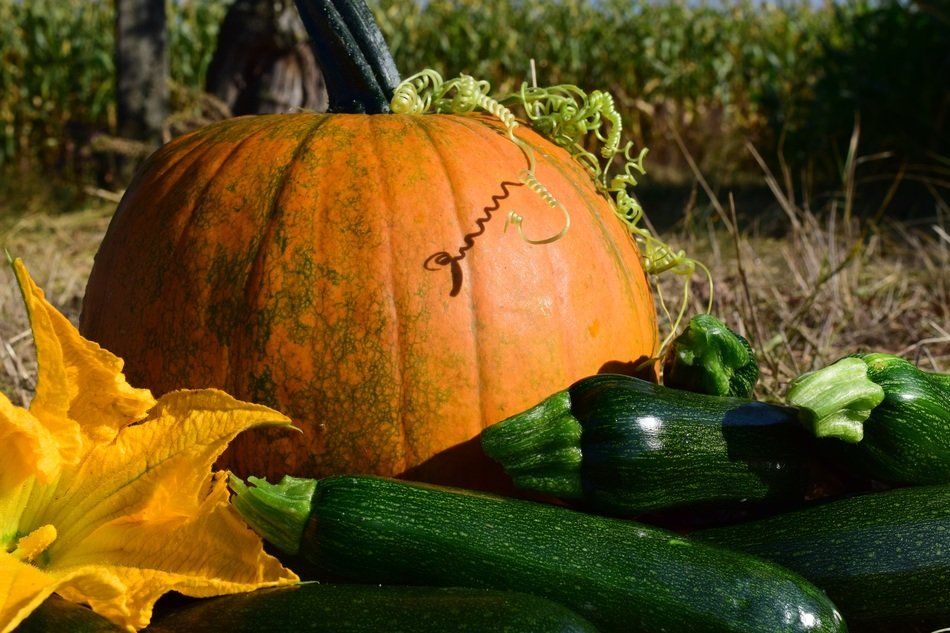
(58, 614)
(620, 575)
(900, 437)
(708, 357)
(882, 557)
(338, 608)
(621, 445)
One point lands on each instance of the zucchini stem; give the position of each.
(708, 357)
(836, 400)
(540, 448)
(277, 512)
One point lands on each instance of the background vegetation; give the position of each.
(792, 78)
(800, 150)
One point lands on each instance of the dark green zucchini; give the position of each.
(902, 436)
(57, 614)
(882, 557)
(620, 575)
(335, 608)
(626, 446)
(708, 357)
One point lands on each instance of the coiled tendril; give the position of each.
(428, 92)
(567, 116)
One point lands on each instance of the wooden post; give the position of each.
(263, 62)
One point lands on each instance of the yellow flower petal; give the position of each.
(77, 379)
(30, 449)
(107, 496)
(24, 587)
(158, 467)
(51, 400)
(146, 509)
(184, 554)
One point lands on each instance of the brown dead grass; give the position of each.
(827, 289)
(58, 250)
(832, 284)
(829, 286)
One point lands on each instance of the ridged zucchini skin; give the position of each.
(338, 608)
(620, 575)
(641, 447)
(882, 557)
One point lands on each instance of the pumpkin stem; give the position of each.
(358, 69)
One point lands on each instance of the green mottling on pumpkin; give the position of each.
(263, 387)
(280, 235)
(327, 272)
(297, 307)
(223, 317)
(352, 225)
(226, 309)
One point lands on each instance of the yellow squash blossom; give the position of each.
(107, 495)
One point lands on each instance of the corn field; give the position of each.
(792, 78)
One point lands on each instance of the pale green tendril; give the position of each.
(567, 116)
(428, 92)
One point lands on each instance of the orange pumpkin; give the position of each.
(354, 272)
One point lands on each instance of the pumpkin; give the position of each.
(355, 272)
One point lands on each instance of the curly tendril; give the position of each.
(528, 178)
(428, 92)
(414, 95)
(568, 117)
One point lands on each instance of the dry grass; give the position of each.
(821, 292)
(831, 285)
(58, 250)
(827, 287)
